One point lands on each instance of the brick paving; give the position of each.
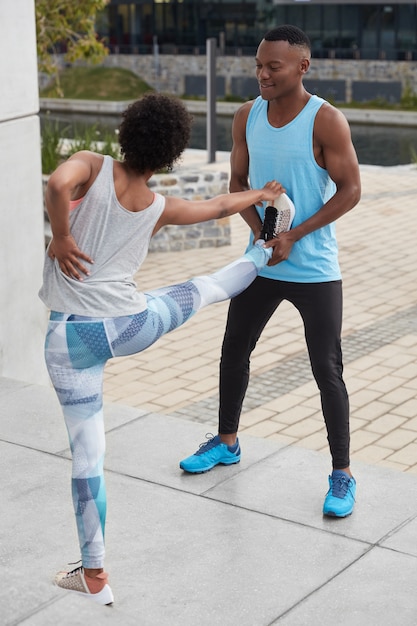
(378, 255)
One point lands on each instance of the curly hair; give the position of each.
(294, 35)
(154, 132)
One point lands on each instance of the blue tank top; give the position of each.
(286, 155)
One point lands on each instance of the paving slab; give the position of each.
(152, 447)
(202, 561)
(378, 589)
(404, 538)
(292, 483)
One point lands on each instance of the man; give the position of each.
(305, 143)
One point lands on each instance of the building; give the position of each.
(23, 318)
(341, 29)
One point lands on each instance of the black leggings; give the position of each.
(320, 306)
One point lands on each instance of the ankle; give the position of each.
(92, 573)
(95, 581)
(344, 469)
(229, 440)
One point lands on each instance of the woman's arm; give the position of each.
(179, 211)
(62, 186)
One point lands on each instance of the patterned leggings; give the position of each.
(76, 351)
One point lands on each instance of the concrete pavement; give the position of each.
(245, 545)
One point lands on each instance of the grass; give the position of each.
(115, 83)
(97, 83)
(381, 104)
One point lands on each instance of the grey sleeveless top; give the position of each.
(117, 240)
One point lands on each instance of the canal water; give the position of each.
(375, 145)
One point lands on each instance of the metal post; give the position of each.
(211, 99)
(155, 48)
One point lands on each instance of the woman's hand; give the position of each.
(64, 250)
(270, 191)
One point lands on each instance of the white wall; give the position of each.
(22, 315)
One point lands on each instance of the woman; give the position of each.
(102, 215)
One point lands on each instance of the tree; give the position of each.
(67, 25)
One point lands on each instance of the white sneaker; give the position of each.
(97, 588)
(278, 217)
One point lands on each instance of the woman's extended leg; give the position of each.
(76, 350)
(232, 279)
(170, 307)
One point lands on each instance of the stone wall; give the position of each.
(172, 72)
(191, 185)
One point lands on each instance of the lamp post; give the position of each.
(211, 99)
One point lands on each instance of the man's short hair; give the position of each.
(294, 35)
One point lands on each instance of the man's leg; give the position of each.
(247, 317)
(248, 314)
(321, 307)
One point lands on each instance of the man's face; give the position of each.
(279, 68)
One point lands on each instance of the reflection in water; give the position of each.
(375, 145)
(384, 145)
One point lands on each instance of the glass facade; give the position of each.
(337, 29)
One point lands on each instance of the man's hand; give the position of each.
(66, 252)
(282, 247)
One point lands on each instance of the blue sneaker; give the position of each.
(213, 452)
(340, 498)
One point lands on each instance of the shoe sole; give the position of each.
(103, 597)
(204, 471)
(285, 207)
(333, 514)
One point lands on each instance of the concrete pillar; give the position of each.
(22, 314)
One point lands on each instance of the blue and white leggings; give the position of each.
(76, 351)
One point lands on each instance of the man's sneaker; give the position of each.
(278, 217)
(97, 589)
(213, 452)
(340, 498)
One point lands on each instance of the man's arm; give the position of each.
(239, 166)
(334, 151)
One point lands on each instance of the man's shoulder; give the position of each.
(328, 113)
(244, 110)
(246, 106)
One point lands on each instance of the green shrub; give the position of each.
(51, 143)
(90, 138)
(409, 98)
